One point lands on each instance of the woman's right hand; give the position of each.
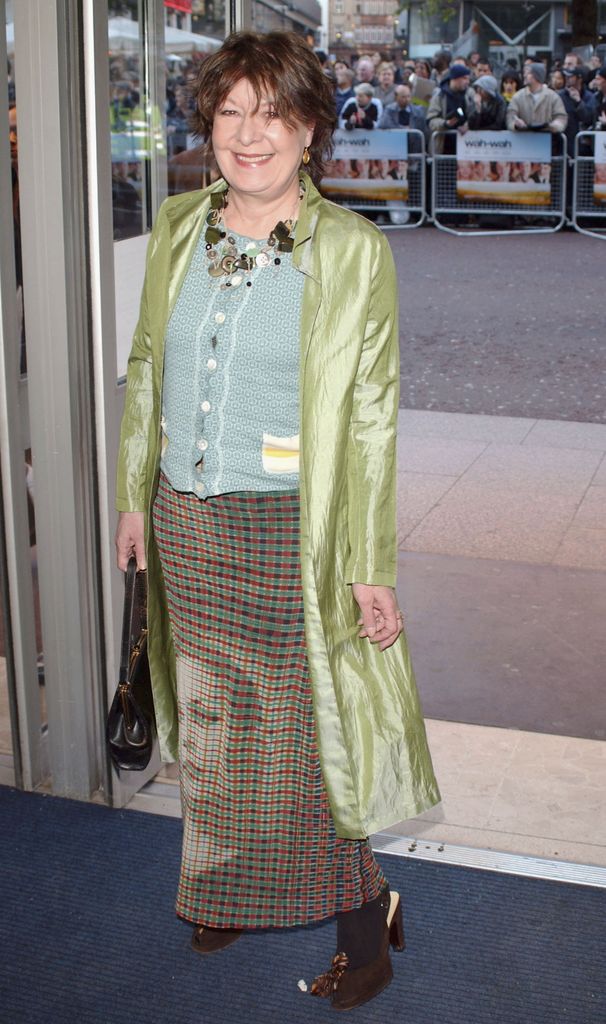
(130, 539)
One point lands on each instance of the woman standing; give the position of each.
(257, 483)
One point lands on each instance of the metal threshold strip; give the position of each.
(161, 796)
(490, 860)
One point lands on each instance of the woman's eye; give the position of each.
(227, 112)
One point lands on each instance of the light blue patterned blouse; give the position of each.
(230, 398)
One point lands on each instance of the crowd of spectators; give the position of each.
(447, 93)
(457, 93)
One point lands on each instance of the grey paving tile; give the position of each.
(582, 546)
(417, 495)
(464, 426)
(433, 455)
(485, 522)
(592, 510)
(538, 470)
(600, 473)
(509, 645)
(562, 434)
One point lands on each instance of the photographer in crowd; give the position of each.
(450, 106)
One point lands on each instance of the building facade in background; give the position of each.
(201, 16)
(363, 25)
(504, 30)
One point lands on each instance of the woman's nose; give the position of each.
(250, 129)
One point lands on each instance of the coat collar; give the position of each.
(187, 213)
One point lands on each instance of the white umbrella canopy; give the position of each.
(123, 34)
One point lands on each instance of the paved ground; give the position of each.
(501, 527)
(503, 326)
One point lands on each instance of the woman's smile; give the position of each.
(252, 159)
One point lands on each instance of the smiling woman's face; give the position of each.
(256, 151)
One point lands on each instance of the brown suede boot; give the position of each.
(362, 968)
(211, 940)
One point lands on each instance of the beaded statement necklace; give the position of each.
(226, 260)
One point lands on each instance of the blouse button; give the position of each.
(202, 444)
(212, 364)
(205, 407)
(200, 487)
(219, 317)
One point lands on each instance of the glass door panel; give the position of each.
(151, 51)
(22, 703)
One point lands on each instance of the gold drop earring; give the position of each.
(306, 157)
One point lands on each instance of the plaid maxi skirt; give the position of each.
(259, 844)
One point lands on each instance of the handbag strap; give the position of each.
(127, 618)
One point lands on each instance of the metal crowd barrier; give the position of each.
(516, 219)
(409, 213)
(588, 209)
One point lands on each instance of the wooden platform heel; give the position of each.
(349, 987)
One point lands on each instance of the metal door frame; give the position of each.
(52, 183)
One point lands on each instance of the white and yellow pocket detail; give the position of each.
(280, 454)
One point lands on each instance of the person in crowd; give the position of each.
(441, 63)
(422, 68)
(599, 108)
(474, 57)
(572, 62)
(404, 70)
(402, 113)
(384, 91)
(593, 65)
(322, 58)
(363, 111)
(450, 106)
(578, 104)
(344, 90)
(483, 67)
(557, 80)
(489, 107)
(177, 122)
(365, 72)
(536, 107)
(511, 83)
(271, 584)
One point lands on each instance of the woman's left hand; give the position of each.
(381, 619)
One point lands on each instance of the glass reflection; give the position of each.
(28, 472)
(143, 132)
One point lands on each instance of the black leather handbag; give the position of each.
(131, 725)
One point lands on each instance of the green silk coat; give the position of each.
(370, 730)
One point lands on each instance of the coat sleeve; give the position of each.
(347, 110)
(138, 407)
(512, 113)
(559, 117)
(436, 121)
(371, 452)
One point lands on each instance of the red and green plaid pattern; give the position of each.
(259, 845)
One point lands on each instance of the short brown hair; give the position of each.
(282, 64)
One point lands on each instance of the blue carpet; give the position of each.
(89, 936)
